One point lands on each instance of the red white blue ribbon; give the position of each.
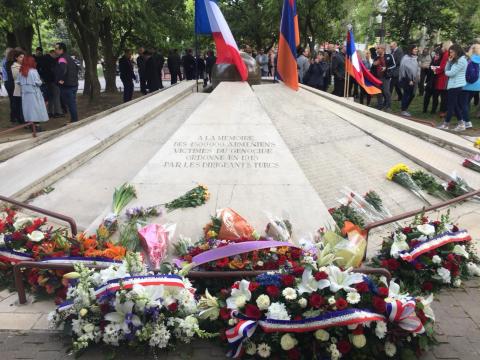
(245, 328)
(403, 313)
(434, 243)
(12, 256)
(65, 306)
(87, 261)
(149, 280)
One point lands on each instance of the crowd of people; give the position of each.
(40, 86)
(446, 75)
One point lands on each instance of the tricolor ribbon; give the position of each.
(237, 249)
(245, 328)
(65, 306)
(12, 256)
(403, 313)
(87, 261)
(434, 243)
(149, 280)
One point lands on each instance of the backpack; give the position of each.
(473, 72)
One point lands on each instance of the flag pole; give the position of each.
(196, 59)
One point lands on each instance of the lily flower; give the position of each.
(427, 309)
(399, 244)
(461, 251)
(309, 284)
(123, 316)
(209, 306)
(341, 280)
(148, 296)
(239, 296)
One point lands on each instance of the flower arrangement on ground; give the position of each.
(477, 143)
(324, 313)
(428, 255)
(402, 175)
(472, 163)
(231, 243)
(126, 305)
(197, 196)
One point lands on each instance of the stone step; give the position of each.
(444, 139)
(91, 185)
(228, 124)
(44, 164)
(432, 155)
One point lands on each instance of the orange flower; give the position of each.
(282, 250)
(90, 243)
(236, 264)
(115, 252)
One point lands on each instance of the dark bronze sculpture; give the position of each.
(228, 72)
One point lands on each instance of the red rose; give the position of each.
(407, 230)
(252, 311)
(288, 280)
(421, 316)
(362, 287)
(451, 257)
(322, 275)
(344, 346)
(455, 228)
(253, 286)
(294, 354)
(393, 264)
(316, 301)
(427, 286)
(341, 304)
(378, 303)
(296, 253)
(383, 291)
(358, 330)
(224, 313)
(418, 266)
(298, 270)
(272, 291)
(297, 317)
(222, 262)
(173, 307)
(282, 260)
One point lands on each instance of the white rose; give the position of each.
(322, 335)
(303, 303)
(359, 341)
(263, 302)
(289, 293)
(83, 312)
(36, 236)
(426, 229)
(288, 342)
(390, 349)
(251, 348)
(457, 282)
(381, 329)
(436, 259)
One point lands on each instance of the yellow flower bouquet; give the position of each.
(402, 175)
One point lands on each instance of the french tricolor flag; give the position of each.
(209, 20)
(358, 70)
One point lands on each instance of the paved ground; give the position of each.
(458, 326)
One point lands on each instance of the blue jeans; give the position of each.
(69, 98)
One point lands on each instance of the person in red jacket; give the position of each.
(440, 80)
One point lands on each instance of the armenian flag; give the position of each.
(289, 39)
(358, 70)
(209, 20)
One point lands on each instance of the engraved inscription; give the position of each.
(224, 152)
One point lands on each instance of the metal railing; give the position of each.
(21, 126)
(67, 219)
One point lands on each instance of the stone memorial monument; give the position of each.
(228, 72)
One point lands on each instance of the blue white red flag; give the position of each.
(357, 69)
(209, 20)
(289, 39)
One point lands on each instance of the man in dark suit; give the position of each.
(397, 54)
(173, 63)
(127, 75)
(141, 70)
(159, 60)
(151, 72)
(338, 70)
(188, 62)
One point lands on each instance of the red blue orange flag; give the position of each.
(287, 45)
(358, 70)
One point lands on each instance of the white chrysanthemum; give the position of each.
(390, 349)
(250, 348)
(381, 329)
(473, 269)
(288, 342)
(353, 297)
(263, 350)
(160, 337)
(436, 259)
(263, 302)
(289, 293)
(303, 303)
(322, 335)
(457, 282)
(277, 311)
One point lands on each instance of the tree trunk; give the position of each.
(11, 40)
(110, 60)
(24, 37)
